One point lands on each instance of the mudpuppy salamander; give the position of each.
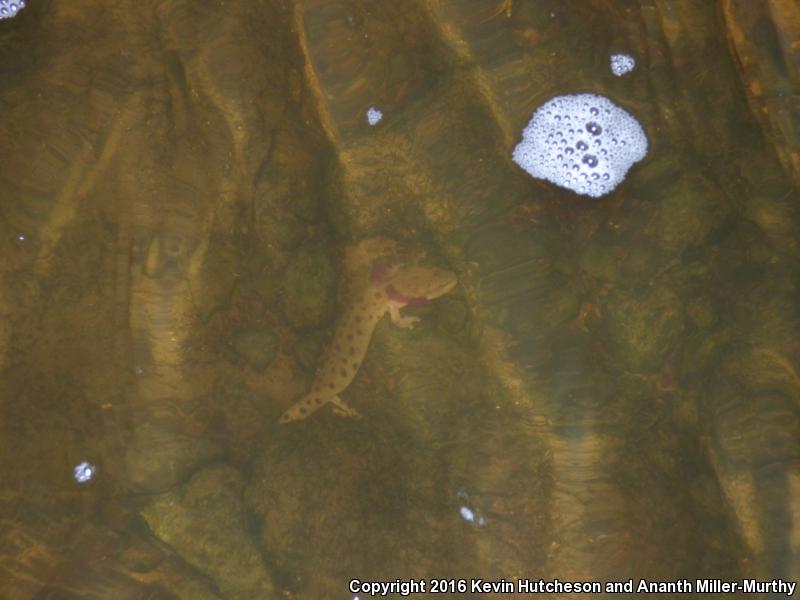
(387, 289)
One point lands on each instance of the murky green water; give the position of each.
(199, 226)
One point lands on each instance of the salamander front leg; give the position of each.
(401, 320)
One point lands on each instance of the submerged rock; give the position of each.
(702, 312)
(642, 327)
(309, 287)
(332, 498)
(159, 457)
(205, 523)
(257, 346)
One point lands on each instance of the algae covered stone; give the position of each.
(206, 524)
(702, 312)
(309, 287)
(562, 305)
(257, 346)
(159, 457)
(642, 327)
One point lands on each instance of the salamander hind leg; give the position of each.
(342, 409)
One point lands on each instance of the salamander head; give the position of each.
(418, 283)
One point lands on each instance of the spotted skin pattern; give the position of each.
(388, 289)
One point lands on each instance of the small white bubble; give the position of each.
(374, 116)
(469, 515)
(83, 472)
(622, 64)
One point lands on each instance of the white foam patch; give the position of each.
(621, 64)
(10, 8)
(581, 142)
(374, 116)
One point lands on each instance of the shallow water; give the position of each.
(195, 197)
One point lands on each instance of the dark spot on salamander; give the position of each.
(349, 336)
(343, 373)
(355, 366)
(302, 410)
(317, 400)
(358, 319)
(330, 385)
(377, 295)
(352, 351)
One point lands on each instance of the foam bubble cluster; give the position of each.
(10, 8)
(83, 472)
(582, 142)
(621, 64)
(374, 116)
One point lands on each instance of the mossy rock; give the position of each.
(689, 211)
(702, 349)
(328, 495)
(602, 260)
(205, 523)
(212, 286)
(642, 327)
(309, 287)
(159, 457)
(641, 261)
(257, 346)
(560, 306)
(283, 229)
(450, 314)
(701, 312)
(307, 351)
(496, 248)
